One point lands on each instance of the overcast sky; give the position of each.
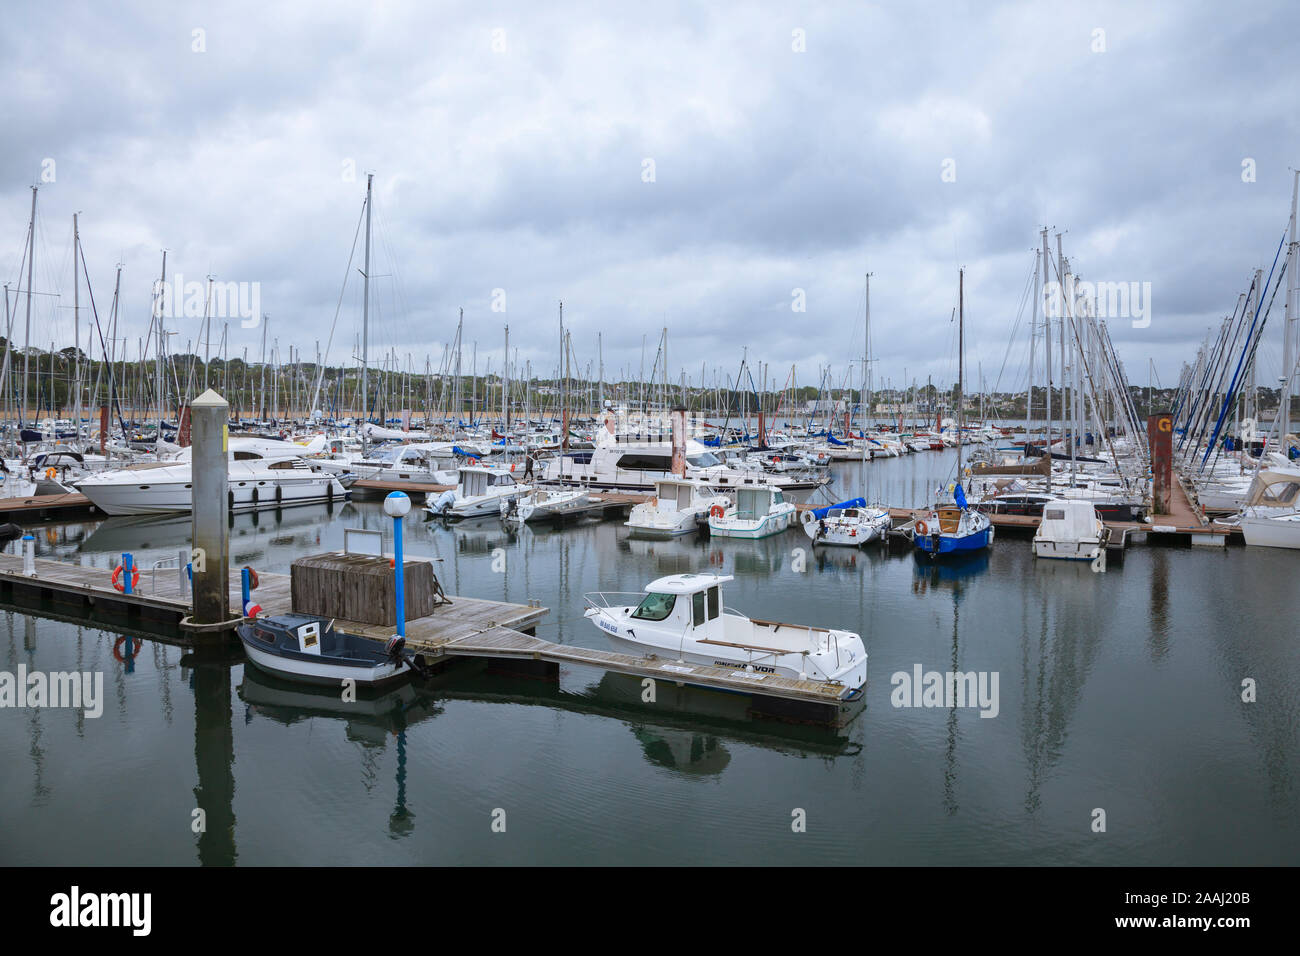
(794, 147)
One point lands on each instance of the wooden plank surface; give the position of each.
(65, 502)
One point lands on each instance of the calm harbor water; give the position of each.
(1118, 690)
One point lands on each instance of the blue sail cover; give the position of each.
(835, 441)
(820, 513)
(457, 450)
(959, 496)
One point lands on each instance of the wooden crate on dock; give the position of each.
(360, 587)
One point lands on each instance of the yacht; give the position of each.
(635, 465)
(848, 524)
(681, 617)
(261, 476)
(1271, 516)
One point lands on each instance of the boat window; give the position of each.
(714, 601)
(633, 462)
(705, 459)
(778, 498)
(1054, 514)
(697, 608)
(246, 456)
(1281, 493)
(655, 607)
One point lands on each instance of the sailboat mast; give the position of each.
(961, 348)
(365, 321)
(27, 340)
(76, 329)
(866, 364)
(1289, 322)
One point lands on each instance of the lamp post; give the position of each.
(397, 505)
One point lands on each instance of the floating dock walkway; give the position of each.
(467, 628)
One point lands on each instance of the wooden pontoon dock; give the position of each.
(467, 628)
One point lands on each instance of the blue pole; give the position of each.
(245, 591)
(128, 564)
(401, 582)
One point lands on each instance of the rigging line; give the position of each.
(1020, 314)
(1237, 372)
(338, 308)
(112, 382)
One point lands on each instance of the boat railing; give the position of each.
(600, 599)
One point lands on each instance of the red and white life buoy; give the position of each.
(117, 578)
(134, 648)
(717, 511)
(921, 528)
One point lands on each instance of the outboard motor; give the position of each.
(394, 648)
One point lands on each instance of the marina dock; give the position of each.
(467, 628)
(41, 507)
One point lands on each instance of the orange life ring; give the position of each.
(252, 578)
(117, 578)
(135, 647)
(921, 529)
(717, 511)
(50, 473)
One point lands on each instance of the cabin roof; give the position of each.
(686, 583)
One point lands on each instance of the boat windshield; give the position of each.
(655, 607)
(705, 459)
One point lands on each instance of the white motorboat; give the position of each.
(1071, 529)
(432, 462)
(546, 504)
(162, 487)
(849, 524)
(682, 618)
(676, 508)
(479, 491)
(262, 474)
(759, 512)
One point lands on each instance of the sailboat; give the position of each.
(954, 528)
(852, 523)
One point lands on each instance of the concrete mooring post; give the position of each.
(209, 416)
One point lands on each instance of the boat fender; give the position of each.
(133, 650)
(921, 529)
(117, 578)
(252, 578)
(716, 511)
